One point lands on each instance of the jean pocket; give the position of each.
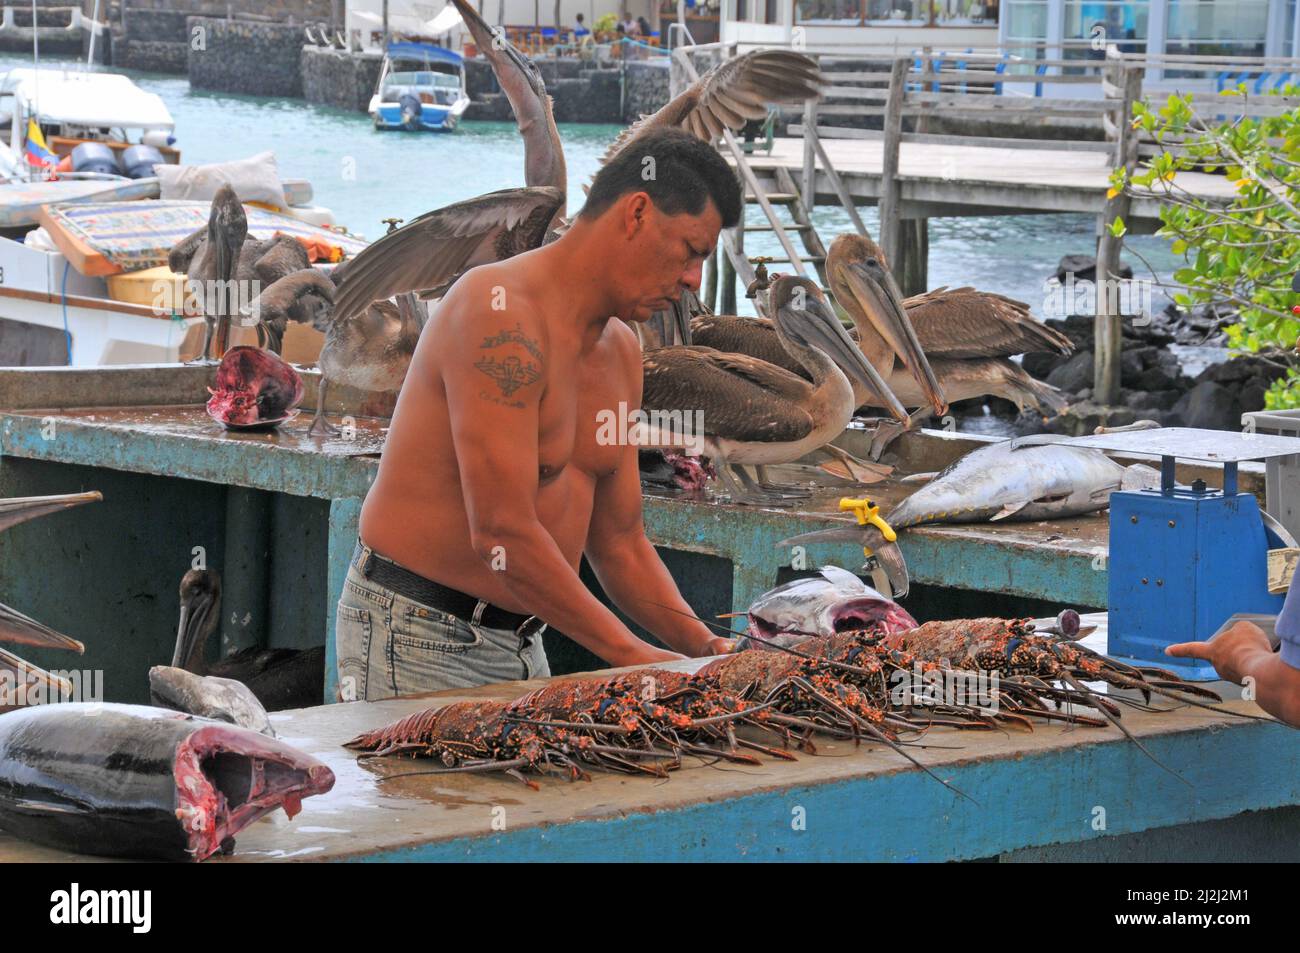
(352, 637)
(421, 629)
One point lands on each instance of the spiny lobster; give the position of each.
(617, 722)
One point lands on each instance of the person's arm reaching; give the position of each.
(1244, 652)
(629, 569)
(493, 395)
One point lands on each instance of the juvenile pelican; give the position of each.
(280, 678)
(221, 252)
(967, 335)
(756, 413)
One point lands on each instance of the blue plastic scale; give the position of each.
(1183, 559)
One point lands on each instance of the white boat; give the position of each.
(82, 274)
(421, 87)
(72, 107)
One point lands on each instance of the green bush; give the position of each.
(1245, 252)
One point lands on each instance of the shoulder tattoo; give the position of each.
(508, 369)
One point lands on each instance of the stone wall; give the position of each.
(645, 88)
(242, 56)
(154, 40)
(340, 79)
(614, 93)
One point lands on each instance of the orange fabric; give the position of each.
(318, 249)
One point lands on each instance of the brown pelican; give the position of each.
(220, 252)
(305, 296)
(370, 351)
(18, 628)
(967, 335)
(280, 678)
(410, 259)
(731, 94)
(429, 252)
(752, 412)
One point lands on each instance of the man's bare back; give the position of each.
(416, 513)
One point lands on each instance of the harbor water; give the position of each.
(365, 176)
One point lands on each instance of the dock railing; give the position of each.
(900, 97)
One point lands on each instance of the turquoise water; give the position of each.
(365, 176)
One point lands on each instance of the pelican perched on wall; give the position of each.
(967, 335)
(753, 412)
(222, 251)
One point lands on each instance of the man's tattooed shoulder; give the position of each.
(510, 371)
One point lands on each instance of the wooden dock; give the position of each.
(938, 179)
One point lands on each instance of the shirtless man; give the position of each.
(493, 482)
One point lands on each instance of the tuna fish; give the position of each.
(131, 781)
(997, 483)
(208, 696)
(831, 602)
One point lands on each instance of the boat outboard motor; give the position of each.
(138, 161)
(94, 157)
(411, 110)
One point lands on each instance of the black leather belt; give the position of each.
(467, 608)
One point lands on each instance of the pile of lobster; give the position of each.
(824, 656)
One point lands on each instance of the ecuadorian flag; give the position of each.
(38, 153)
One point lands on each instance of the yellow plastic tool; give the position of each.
(868, 512)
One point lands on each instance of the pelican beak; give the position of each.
(23, 508)
(887, 554)
(822, 330)
(24, 676)
(195, 613)
(492, 45)
(23, 630)
(879, 297)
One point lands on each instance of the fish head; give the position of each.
(227, 777)
(862, 283)
(833, 601)
(254, 386)
(200, 597)
(802, 314)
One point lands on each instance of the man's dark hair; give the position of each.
(684, 174)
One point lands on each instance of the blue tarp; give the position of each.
(424, 52)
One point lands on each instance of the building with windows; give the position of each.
(1034, 29)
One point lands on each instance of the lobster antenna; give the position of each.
(1078, 686)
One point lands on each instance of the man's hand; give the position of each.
(1231, 654)
(1243, 655)
(719, 646)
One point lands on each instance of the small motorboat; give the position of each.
(421, 87)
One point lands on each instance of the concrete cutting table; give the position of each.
(1054, 793)
(278, 511)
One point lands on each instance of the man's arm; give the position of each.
(629, 569)
(1244, 652)
(494, 367)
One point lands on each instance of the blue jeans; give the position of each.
(390, 645)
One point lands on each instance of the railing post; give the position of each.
(809, 183)
(890, 192)
(1108, 328)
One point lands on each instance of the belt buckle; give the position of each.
(519, 632)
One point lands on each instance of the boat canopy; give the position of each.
(423, 52)
(86, 99)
